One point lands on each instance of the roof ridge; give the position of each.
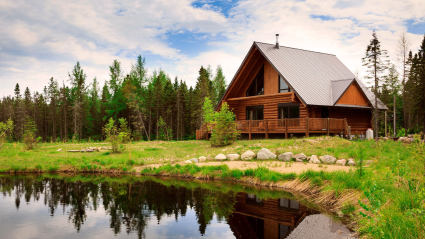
(342, 79)
(296, 48)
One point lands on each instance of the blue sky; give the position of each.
(38, 41)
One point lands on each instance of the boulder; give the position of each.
(286, 157)
(188, 161)
(194, 160)
(300, 157)
(202, 159)
(351, 162)
(220, 157)
(248, 155)
(406, 140)
(314, 159)
(327, 159)
(369, 134)
(341, 162)
(233, 157)
(59, 150)
(265, 154)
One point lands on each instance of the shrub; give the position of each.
(224, 131)
(5, 130)
(116, 136)
(29, 136)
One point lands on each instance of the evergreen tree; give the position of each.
(219, 85)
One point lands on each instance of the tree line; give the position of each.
(403, 93)
(156, 107)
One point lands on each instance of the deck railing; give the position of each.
(288, 125)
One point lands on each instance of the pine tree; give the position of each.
(219, 85)
(376, 63)
(78, 93)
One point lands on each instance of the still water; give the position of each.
(54, 206)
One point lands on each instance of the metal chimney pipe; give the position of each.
(277, 40)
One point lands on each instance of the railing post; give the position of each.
(307, 127)
(267, 128)
(286, 128)
(249, 129)
(328, 126)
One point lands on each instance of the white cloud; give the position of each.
(42, 40)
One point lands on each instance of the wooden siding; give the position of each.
(271, 79)
(353, 96)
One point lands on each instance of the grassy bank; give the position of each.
(390, 194)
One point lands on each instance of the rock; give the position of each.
(351, 162)
(314, 159)
(59, 150)
(202, 159)
(406, 140)
(341, 162)
(300, 157)
(194, 160)
(327, 159)
(248, 155)
(265, 154)
(188, 161)
(220, 157)
(233, 157)
(286, 157)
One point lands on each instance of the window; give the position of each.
(288, 110)
(289, 203)
(254, 112)
(257, 85)
(283, 87)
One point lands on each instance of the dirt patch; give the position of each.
(277, 166)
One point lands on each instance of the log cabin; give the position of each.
(280, 90)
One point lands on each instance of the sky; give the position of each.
(43, 39)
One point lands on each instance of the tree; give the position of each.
(390, 93)
(6, 130)
(30, 131)
(53, 94)
(19, 114)
(116, 135)
(403, 54)
(219, 85)
(375, 62)
(224, 131)
(78, 90)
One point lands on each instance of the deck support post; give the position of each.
(307, 133)
(286, 128)
(266, 128)
(249, 129)
(328, 127)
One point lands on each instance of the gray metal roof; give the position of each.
(318, 78)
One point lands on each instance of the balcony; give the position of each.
(285, 126)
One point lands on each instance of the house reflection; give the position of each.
(272, 218)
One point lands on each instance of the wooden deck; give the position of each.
(286, 126)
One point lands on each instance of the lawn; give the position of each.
(391, 188)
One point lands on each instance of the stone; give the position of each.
(248, 155)
(351, 162)
(220, 157)
(341, 162)
(194, 160)
(286, 157)
(202, 159)
(233, 157)
(59, 150)
(406, 140)
(188, 161)
(300, 157)
(265, 154)
(314, 159)
(327, 159)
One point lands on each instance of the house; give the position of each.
(283, 90)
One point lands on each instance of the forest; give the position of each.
(159, 108)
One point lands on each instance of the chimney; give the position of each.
(277, 40)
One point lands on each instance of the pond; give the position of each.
(89, 206)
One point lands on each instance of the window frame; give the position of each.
(288, 113)
(280, 89)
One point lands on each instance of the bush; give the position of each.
(224, 131)
(29, 136)
(5, 130)
(117, 136)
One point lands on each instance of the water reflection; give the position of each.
(134, 206)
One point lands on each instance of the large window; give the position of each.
(283, 87)
(288, 110)
(254, 112)
(257, 85)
